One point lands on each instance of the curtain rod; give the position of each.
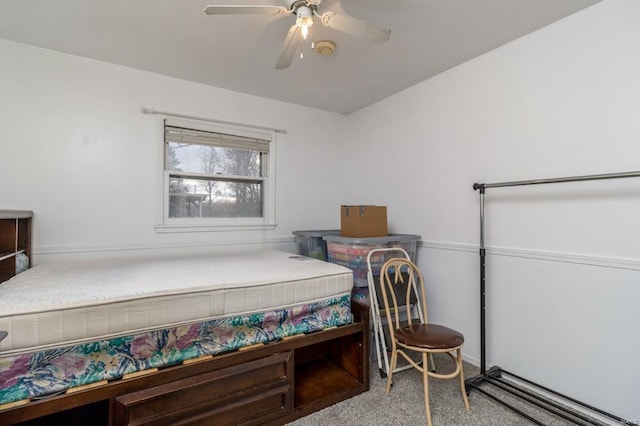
(212, 120)
(557, 180)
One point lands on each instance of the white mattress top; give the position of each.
(52, 305)
(70, 285)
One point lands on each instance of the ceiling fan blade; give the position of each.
(244, 10)
(288, 49)
(357, 27)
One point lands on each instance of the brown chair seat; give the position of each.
(429, 336)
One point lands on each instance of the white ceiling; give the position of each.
(175, 38)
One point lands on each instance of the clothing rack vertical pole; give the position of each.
(483, 306)
(494, 375)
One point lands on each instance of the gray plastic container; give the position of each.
(352, 252)
(312, 244)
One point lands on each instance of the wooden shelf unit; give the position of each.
(15, 238)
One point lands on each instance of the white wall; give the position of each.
(564, 263)
(77, 150)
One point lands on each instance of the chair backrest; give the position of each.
(403, 293)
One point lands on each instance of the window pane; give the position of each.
(212, 160)
(212, 198)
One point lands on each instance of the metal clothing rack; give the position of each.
(494, 375)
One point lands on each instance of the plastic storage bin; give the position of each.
(311, 244)
(352, 252)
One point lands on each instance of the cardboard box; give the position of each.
(363, 221)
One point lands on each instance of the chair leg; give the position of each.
(461, 376)
(433, 364)
(425, 380)
(392, 367)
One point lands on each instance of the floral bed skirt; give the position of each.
(50, 372)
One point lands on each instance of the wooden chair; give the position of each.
(411, 335)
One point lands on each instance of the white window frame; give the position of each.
(165, 224)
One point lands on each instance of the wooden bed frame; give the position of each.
(269, 384)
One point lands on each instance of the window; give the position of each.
(216, 177)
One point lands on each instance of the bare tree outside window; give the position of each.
(210, 161)
(176, 186)
(248, 196)
(215, 179)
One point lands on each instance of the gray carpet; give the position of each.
(405, 404)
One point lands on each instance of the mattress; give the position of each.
(53, 305)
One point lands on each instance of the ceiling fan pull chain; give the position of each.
(313, 38)
(301, 54)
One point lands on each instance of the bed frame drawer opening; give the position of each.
(238, 394)
(329, 369)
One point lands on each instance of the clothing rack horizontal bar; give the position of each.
(558, 180)
(495, 377)
(507, 405)
(212, 120)
(568, 398)
(540, 402)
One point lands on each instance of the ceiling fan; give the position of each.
(305, 12)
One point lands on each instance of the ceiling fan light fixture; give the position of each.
(304, 20)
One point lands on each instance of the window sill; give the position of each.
(171, 229)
